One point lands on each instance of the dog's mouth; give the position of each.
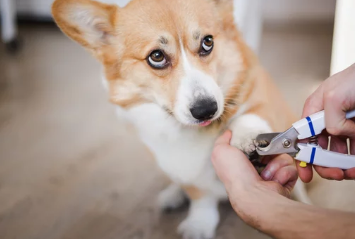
(201, 114)
(188, 120)
(208, 122)
(205, 123)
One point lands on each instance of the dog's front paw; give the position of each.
(171, 198)
(202, 221)
(246, 143)
(245, 129)
(197, 228)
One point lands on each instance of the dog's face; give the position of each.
(178, 54)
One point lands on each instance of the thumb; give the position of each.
(335, 116)
(231, 164)
(225, 138)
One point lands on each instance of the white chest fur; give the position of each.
(183, 153)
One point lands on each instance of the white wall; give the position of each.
(299, 10)
(343, 52)
(274, 10)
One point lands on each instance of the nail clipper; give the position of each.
(311, 152)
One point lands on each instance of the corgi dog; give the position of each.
(182, 73)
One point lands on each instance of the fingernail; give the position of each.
(266, 175)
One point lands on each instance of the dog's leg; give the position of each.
(245, 128)
(171, 197)
(203, 216)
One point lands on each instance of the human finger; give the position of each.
(330, 173)
(276, 164)
(305, 173)
(286, 176)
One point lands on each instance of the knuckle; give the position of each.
(309, 101)
(334, 130)
(332, 96)
(329, 95)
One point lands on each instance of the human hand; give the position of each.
(248, 192)
(336, 96)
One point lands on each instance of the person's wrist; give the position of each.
(240, 197)
(256, 204)
(246, 199)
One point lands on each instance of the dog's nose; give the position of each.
(204, 109)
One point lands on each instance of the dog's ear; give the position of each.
(88, 22)
(225, 10)
(224, 5)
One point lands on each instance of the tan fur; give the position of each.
(134, 31)
(131, 33)
(267, 102)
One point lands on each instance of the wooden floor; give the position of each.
(69, 169)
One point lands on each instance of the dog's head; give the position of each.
(182, 55)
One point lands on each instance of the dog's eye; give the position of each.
(206, 45)
(157, 59)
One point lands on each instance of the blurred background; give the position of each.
(69, 168)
